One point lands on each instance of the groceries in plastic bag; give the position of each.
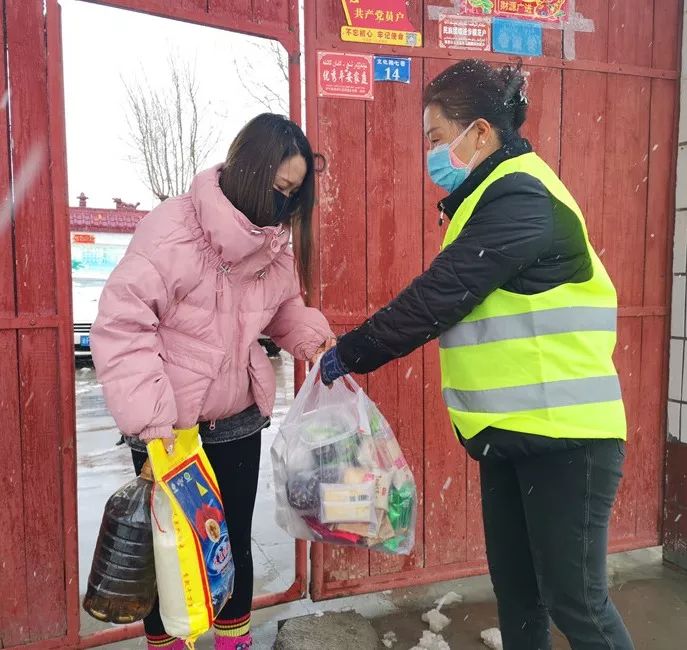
(340, 475)
(121, 585)
(193, 558)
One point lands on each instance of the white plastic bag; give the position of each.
(339, 473)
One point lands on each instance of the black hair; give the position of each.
(247, 179)
(472, 89)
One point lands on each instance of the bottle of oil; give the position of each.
(121, 586)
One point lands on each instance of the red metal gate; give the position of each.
(605, 120)
(37, 472)
(38, 545)
(602, 113)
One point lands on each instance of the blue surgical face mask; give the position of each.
(445, 170)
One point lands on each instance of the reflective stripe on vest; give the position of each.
(534, 323)
(553, 394)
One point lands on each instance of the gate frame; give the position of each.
(289, 38)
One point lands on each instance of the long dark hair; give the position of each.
(247, 179)
(472, 89)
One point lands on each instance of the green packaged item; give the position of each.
(322, 435)
(341, 453)
(394, 544)
(401, 506)
(375, 419)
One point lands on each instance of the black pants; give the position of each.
(546, 525)
(236, 465)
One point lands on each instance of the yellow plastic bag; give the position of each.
(193, 561)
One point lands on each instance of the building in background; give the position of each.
(99, 238)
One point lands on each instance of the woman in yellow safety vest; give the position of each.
(525, 314)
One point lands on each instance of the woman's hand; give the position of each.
(163, 434)
(327, 345)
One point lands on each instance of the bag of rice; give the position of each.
(193, 561)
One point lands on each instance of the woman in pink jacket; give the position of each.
(176, 339)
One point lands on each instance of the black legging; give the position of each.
(236, 466)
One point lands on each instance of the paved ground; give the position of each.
(651, 597)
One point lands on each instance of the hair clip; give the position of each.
(519, 99)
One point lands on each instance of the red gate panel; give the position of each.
(606, 121)
(38, 578)
(14, 613)
(34, 417)
(392, 196)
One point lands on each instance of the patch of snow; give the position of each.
(389, 639)
(448, 599)
(436, 620)
(431, 641)
(492, 638)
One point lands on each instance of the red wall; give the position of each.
(606, 122)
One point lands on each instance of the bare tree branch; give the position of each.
(165, 131)
(253, 81)
(279, 57)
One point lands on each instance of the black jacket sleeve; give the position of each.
(511, 227)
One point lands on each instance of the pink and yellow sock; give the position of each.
(164, 642)
(233, 634)
(244, 642)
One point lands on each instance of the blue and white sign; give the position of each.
(392, 68)
(521, 37)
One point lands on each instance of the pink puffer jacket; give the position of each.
(176, 338)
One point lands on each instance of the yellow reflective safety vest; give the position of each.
(539, 364)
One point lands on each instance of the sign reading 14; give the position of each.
(394, 75)
(392, 68)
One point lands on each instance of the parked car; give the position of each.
(85, 296)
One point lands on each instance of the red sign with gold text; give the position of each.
(384, 22)
(548, 10)
(345, 75)
(378, 14)
(533, 9)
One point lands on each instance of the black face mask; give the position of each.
(283, 207)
